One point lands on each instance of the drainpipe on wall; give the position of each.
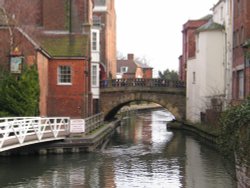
(70, 16)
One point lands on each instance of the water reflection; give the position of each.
(142, 153)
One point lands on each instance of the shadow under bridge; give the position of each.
(117, 93)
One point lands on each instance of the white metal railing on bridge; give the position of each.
(20, 131)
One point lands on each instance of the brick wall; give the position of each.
(147, 73)
(241, 32)
(108, 38)
(22, 43)
(26, 12)
(188, 44)
(68, 100)
(55, 14)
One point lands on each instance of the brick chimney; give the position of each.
(130, 56)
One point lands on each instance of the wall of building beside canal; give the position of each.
(243, 176)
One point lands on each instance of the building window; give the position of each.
(95, 38)
(242, 35)
(234, 39)
(247, 61)
(240, 75)
(97, 20)
(94, 41)
(64, 75)
(222, 13)
(94, 75)
(197, 43)
(124, 69)
(194, 78)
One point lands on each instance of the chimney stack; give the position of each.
(130, 56)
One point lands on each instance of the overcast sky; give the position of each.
(151, 29)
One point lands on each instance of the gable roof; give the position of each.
(126, 63)
(65, 45)
(143, 66)
(210, 26)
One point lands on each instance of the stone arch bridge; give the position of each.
(119, 92)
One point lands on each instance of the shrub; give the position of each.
(19, 94)
(235, 132)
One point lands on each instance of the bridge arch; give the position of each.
(171, 96)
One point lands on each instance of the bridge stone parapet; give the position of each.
(119, 92)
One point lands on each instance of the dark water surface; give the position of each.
(142, 153)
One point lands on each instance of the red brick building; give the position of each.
(131, 68)
(56, 38)
(241, 50)
(188, 43)
(67, 92)
(104, 15)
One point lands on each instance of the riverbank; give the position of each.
(203, 131)
(210, 137)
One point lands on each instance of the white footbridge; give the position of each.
(21, 131)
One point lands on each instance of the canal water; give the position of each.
(142, 153)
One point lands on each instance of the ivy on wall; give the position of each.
(235, 132)
(19, 96)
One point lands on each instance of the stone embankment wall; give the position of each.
(243, 176)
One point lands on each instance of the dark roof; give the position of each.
(207, 17)
(65, 45)
(126, 63)
(210, 26)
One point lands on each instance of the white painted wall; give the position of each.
(209, 70)
(212, 64)
(223, 14)
(193, 103)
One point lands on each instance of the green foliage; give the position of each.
(19, 95)
(235, 132)
(169, 75)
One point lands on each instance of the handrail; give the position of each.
(94, 122)
(142, 82)
(18, 131)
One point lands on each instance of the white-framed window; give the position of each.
(64, 75)
(94, 75)
(194, 77)
(94, 41)
(95, 38)
(197, 45)
(124, 69)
